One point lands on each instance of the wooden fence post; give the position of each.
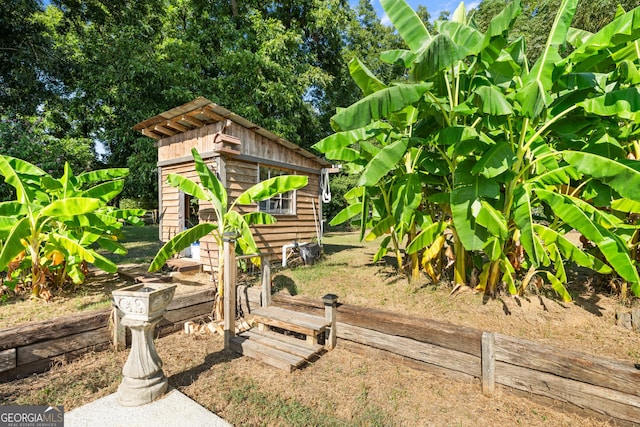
(266, 281)
(229, 296)
(488, 364)
(330, 305)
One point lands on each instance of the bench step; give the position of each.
(294, 321)
(279, 351)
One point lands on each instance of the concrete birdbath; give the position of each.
(143, 306)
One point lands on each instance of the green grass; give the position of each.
(142, 243)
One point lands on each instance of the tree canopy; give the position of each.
(76, 76)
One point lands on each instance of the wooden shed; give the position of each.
(242, 154)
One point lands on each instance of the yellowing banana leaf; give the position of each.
(558, 287)
(426, 237)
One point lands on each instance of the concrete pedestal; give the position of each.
(143, 380)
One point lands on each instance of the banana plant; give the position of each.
(511, 156)
(210, 190)
(54, 224)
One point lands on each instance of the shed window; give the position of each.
(282, 204)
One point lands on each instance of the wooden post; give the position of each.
(330, 304)
(488, 364)
(229, 304)
(119, 330)
(266, 281)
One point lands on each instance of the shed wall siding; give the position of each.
(252, 144)
(239, 175)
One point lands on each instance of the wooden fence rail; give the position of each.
(37, 346)
(582, 383)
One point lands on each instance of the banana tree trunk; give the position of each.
(460, 264)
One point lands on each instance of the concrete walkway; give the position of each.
(173, 410)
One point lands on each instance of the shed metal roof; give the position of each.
(202, 112)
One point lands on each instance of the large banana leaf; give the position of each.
(407, 23)
(259, 218)
(382, 227)
(347, 213)
(623, 103)
(438, 54)
(190, 187)
(105, 191)
(620, 177)
(495, 161)
(211, 182)
(467, 39)
(623, 29)
(103, 263)
(340, 140)
(179, 242)
(70, 207)
(383, 162)
(272, 186)
(615, 251)
(71, 247)
(523, 217)
(493, 220)
(408, 196)
(466, 198)
(405, 57)
(364, 78)
(378, 105)
(12, 178)
(102, 175)
(502, 21)
(570, 251)
(13, 245)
